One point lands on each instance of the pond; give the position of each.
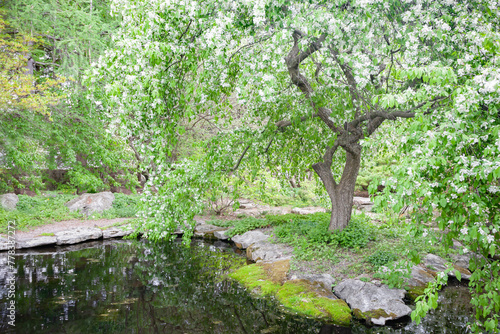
(138, 287)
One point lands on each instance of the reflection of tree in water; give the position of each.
(141, 288)
(191, 295)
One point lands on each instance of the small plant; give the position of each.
(395, 273)
(381, 258)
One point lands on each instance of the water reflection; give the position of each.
(137, 287)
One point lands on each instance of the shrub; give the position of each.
(381, 258)
(356, 235)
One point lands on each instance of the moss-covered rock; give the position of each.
(254, 277)
(301, 296)
(372, 314)
(415, 291)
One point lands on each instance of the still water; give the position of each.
(138, 287)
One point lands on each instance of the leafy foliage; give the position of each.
(381, 258)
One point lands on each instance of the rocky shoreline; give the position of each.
(315, 295)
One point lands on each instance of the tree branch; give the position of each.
(286, 123)
(241, 158)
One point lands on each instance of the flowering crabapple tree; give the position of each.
(449, 162)
(316, 80)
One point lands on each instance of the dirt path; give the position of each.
(67, 225)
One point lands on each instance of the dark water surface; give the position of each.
(138, 287)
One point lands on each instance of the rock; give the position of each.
(261, 210)
(5, 244)
(117, 231)
(248, 238)
(301, 296)
(90, 203)
(310, 298)
(362, 203)
(207, 230)
(325, 280)
(462, 260)
(376, 304)
(221, 235)
(9, 201)
(36, 242)
(246, 204)
(78, 235)
(308, 210)
(436, 263)
(268, 252)
(420, 276)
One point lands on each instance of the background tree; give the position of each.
(50, 125)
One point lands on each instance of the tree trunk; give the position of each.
(341, 194)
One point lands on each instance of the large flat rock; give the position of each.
(90, 203)
(248, 238)
(221, 235)
(9, 201)
(5, 244)
(268, 252)
(374, 303)
(77, 235)
(325, 280)
(308, 210)
(436, 263)
(36, 242)
(362, 203)
(207, 230)
(117, 231)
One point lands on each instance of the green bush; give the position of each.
(124, 206)
(381, 258)
(356, 235)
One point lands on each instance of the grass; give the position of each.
(361, 248)
(49, 208)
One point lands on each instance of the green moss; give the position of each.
(415, 291)
(301, 296)
(373, 314)
(254, 277)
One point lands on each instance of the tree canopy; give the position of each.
(47, 121)
(315, 81)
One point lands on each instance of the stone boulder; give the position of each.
(437, 264)
(325, 280)
(308, 210)
(420, 276)
(77, 235)
(362, 203)
(207, 231)
(268, 252)
(248, 238)
(90, 203)
(36, 242)
(5, 244)
(374, 303)
(117, 231)
(221, 235)
(9, 201)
